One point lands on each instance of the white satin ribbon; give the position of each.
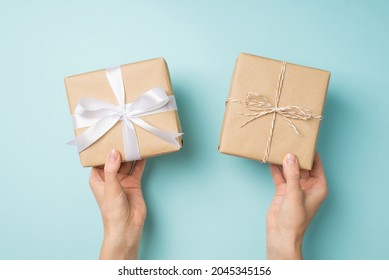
(101, 116)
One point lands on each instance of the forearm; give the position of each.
(283, 247)
(121, 245)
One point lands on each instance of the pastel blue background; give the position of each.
(201, 204)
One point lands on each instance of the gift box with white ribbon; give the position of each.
(130, 108)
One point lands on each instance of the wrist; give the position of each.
(284, 247)
(121, 243)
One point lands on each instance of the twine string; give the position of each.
(259, 106)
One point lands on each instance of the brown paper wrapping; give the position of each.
(138, 78)
(302, 86)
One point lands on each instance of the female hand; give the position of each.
(298, 195)
(119, 196)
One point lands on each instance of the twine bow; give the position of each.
(259, 106)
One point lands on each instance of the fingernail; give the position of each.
(291, 159)
(113, 155)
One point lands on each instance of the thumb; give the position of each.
(112, 185)
(292, 175)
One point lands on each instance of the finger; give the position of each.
(304, 174)
(317, 168)
(292, 174)
(320, 179)
(95, 175)
(276, 174)
(125, 168)
(314, 201)
(95, 183)
(138, 169)
(112, 164)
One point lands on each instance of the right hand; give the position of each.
(298, 196)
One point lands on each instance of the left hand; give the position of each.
(120, 199)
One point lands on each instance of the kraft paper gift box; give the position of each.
(274, 108)
(136, 100)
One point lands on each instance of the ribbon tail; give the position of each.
(130, 142)
(291, 124)
(167, 136)
(93, 133)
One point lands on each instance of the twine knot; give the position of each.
(259, 106)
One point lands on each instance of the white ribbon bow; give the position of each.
(101, 116)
